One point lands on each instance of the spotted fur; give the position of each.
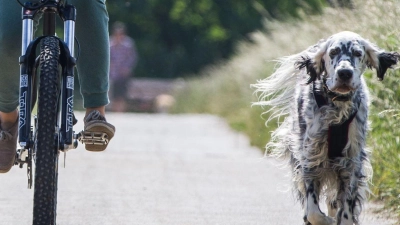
(334, 68)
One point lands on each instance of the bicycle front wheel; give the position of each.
(46, 150)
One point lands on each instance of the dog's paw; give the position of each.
(320, 219)
(347, 222)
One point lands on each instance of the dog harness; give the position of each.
(338, 134)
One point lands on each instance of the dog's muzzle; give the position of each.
(345, 74)
(335, 96)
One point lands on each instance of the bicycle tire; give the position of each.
(46, 149)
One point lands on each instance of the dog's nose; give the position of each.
(345, 74)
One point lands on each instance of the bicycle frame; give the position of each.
(65, 138)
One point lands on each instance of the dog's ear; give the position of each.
(313, 61)
(307, 63)
(380, 60)
(386, 60)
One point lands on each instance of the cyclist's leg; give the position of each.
(10, 35)
(93, 65)
(10, 45)
(93, 68)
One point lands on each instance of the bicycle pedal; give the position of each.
(93, 138)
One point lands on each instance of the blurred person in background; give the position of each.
(123, 60)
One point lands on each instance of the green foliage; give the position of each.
(179, 37)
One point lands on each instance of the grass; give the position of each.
(224, 89)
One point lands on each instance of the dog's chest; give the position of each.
(335, 137)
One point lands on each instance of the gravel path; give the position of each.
(167, 170)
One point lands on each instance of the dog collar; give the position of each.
(338, 134)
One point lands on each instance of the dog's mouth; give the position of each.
(343, 89)
(341, 93)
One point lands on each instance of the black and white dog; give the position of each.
(323, 97)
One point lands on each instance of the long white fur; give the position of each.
(281, 94)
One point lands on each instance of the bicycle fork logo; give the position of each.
(22, 110)
(70, 113)
(70, 105)
(24, 78)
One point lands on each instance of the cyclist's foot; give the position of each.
(97, 132)
(8, 147)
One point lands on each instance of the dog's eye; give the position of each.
(357, 53)
(334, 51)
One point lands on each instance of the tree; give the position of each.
(179, 37)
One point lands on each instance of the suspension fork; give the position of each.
(68, 63)
(26, 93)
(27, 66)
(26, 61)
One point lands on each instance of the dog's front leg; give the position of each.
(351, 190)
(345, 214)
(313, 214)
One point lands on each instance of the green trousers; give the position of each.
(93, 64)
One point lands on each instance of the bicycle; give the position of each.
(52, 131)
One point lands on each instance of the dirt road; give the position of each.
(166, 170)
